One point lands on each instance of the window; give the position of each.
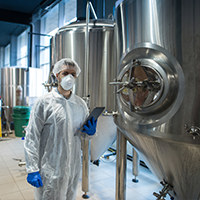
(51, 21)
(22, 49)
(7, 56)
(45, 57)
(70, 11)
(49, 26)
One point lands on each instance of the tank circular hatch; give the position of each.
(150, 85)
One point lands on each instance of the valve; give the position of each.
(145, 84)
(113, 113)
(193, 130)
(87, 100)
(164, 192)
(133, 83)
(21, 163)
(49, 85)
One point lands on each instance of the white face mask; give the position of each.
(67, 82)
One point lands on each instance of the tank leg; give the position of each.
(136, 163)
(85, 196)
(86, 168)
(121, 167)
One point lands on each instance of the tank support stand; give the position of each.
(135, 166)
(121, 167)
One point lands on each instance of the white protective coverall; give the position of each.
(53, 144)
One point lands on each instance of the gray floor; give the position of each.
(13, 185)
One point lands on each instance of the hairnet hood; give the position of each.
(66, 63)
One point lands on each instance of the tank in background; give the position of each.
(11, 78)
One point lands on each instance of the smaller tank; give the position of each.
(18, 87)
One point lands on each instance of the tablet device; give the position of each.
(95, 113)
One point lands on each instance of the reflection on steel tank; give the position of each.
(158, 52)
(69, 42)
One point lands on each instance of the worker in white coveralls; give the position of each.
(53, 142)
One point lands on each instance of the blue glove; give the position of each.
(90, 129)
(35, 179)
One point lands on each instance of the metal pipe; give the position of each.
(92, 8)
(89, 6)
(40, 34)
(86, 143)
(135, 167)
(86, 51)
(121, 167)
(86, 168)
(30, 45)
(29, 49)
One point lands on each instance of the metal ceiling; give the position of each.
(16, 16)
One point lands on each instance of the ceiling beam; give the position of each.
(15, 17)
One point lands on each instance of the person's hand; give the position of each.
(35, 179)
(90, 129)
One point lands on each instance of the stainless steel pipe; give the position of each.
(86, 147)
(135, 166)
(88, 7)
(86, 166)
(120, 193)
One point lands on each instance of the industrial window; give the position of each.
(70, 11)
(49, 26)
(22, 49)
(7, 56)
(51, 21)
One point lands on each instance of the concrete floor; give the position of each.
(13, 185)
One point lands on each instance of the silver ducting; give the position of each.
(157, 44)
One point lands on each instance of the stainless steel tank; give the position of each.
(69, 42)
(158, 53)
(11, 77)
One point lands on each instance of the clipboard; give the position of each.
(96, 112)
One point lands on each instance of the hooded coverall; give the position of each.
(53, 144)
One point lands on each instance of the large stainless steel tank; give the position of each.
(158, 52)
(69, 42)
(11, 77)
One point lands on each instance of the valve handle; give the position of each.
(193, 130)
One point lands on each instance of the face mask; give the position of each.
(67, 82)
